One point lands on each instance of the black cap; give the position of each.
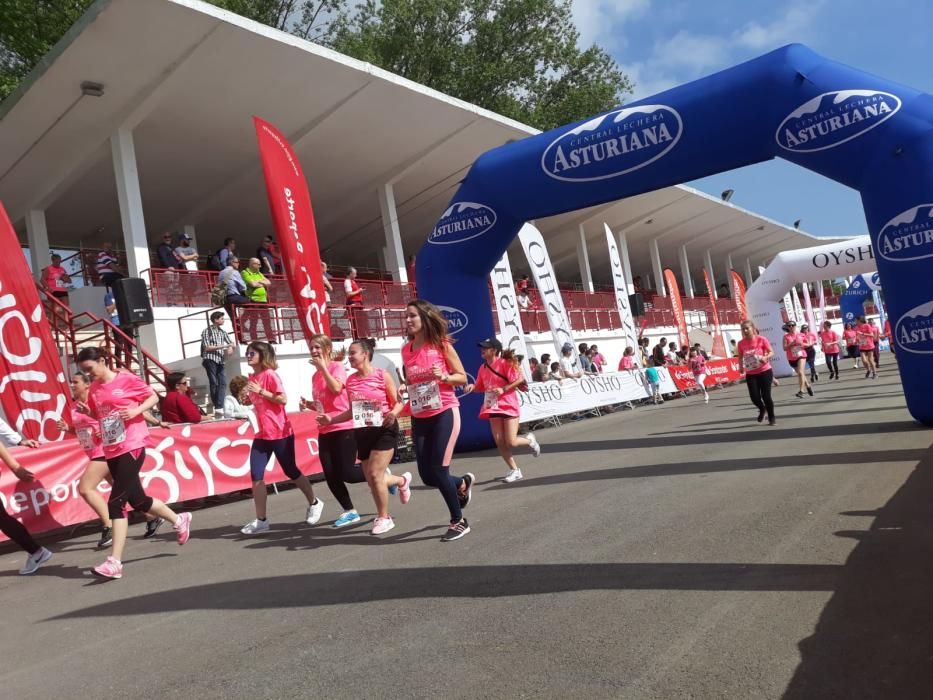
(491, 343)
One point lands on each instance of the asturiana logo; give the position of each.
(461, 222)
(613, 144)
(833, 118)
(456, 319)
(914, 330)
(908, 236)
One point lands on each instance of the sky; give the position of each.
(664, 43)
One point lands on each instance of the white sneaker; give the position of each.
(533, 444)
(34, 561)
(314, 512)
(514, 475)
(254, 527)
(706, 398)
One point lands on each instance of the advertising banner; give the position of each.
(808, 308)
(719, 343)
(798, 309)
(296, 233)
(33, 386)
(852, 301)
(620, 289)
(677, 306)
(184, 463)
(738, 293)
(822, 303)
(511, 333)
(717, 372)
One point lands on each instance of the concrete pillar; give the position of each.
(130, 199)
(728, 270)
(657, 270)
(748, 272)
(382, 255)
(685, 272)
(395, 256)
(583, 258)
(712, 276)
(38, 235)
(626, 262)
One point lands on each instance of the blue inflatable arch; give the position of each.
(865, 132)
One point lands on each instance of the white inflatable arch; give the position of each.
(840, 259)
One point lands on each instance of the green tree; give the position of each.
(309, 19)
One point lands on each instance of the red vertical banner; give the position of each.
(738, 293)
(677, 306)
(719, 343)
(33, 386)
(296, 233)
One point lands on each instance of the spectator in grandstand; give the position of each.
(568, 366)
(672, 356)
(10, 438)
(723, 292)
(107, 267)
(628, 359)
(256, 285)
(358, 322)
(585, 363)
(644, 355)
(411, 273)
(659, 353)
(521, 287)
(596, 357)
(555, 373)
(233, 402)
(352, 288)
(524, 301)
(165, 253)
(268, 255)
(535, 368)
(221, 258)
(177, 406)
(545, 362)
(638, 284)
(216, 345)
(186, 253)
(56, 280)
(328, 287)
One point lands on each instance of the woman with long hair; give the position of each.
(809, 345)
(118, 401)
(797, 356)
(851, 338)
(274, 437)
(755, 355)
(432, 370)
(697, 364)
(373, 412)
(336, 439)
(866, 346)
(498, 378)
(829, 340)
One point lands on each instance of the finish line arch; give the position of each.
(863, 131)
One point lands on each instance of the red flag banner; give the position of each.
(738, 294)
(677, 306)
(296, 233)
(719, 344)
(33, 386)
(717, 372)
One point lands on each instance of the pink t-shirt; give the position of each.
(371, 388)
(87, 429)
(54, 275)
(273, 423)
(125, 390)
(506, 404)
(698, 365)
(851, 337)
(795, 343)
(866, 336)
(830, 340)
(333, 404)
(750, 350)
(427, 396)
(810, 338)
(627, 362)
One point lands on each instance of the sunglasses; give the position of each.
(251, 353)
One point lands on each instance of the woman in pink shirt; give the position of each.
(851, 338)
(866, 346)
(499, 377)
(628, 359)
(829, 340)
(432, 370)
(809, 345)
(118, 401)
(373, 412)
(56, 279)
(755, 355)
(697, 364)
(794, 346)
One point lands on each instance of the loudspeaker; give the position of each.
(636, 302)
(132, 300)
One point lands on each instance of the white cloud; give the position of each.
(601, 21)
(795, 25)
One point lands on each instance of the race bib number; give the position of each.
(750, 361)
(86, 438)
(491, 400)
(113, 429)
(367, 414)
(425, 396)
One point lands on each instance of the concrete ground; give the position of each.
(678, 551)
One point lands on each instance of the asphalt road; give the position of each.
(678, 551)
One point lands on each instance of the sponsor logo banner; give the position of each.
(719, 343)
(738, 293)
(717, 372)
(833, 118)
(620, 288)
(677, 307)
(908, 236)
(461, 222)
(456, 319)
(511, 333)
(914, 330)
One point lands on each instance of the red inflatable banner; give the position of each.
(738, 293)
(677, 306)
(717, 372)
(33, 386)
(185, 462)
(719, 343)
(296, 232)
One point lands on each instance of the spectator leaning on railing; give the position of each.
(234, 285)
(187, 253)
(256, 284)
(107, 267)
(165, 253)
(268, 256)
(216, 345)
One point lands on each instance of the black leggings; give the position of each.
(759, 391)
(337, 451)
(832, 362)
(16, 531)
(811, 360)
(434, 438)
(127, 488)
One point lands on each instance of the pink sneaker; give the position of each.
(404, 491)
(382, 525)
(183, 527)
(111, 568)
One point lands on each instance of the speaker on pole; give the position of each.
(132, 301)
(636, 302)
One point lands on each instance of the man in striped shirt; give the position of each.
(107, 267)
(215, 344)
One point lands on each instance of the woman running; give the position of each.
(432, 370)
(851, 338)
(118, 400)
(829, 340)
(809, 345)
(336, 440)
(756, 353)
(499, 377)
(274, 437)
(374, 410)
(13, 528)
(697, 364)
(797, 356)
(866, 346)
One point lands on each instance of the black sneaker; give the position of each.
(456, 531)
(761, 414)
(810, 390)
(152, 527)
(106, 538)
(799, 394)
(468, 492)
(771, 421)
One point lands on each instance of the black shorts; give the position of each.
(381, 438)
(852, 350)
(501, 415)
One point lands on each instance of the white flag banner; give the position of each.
(809, 308)
(798, 309)
(789, 308)
(620, 287)
(822, 304)
(511, 333)
(546, 282)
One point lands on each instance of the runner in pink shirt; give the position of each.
(697, 364)
(118, 400)
(866, 346)
(829, 340)
(851, 338)
(795, 348)
(876, 332)
(274, 437)
(755, 355)
(810, 340)
(498, 378)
